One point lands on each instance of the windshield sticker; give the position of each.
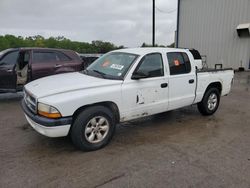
(105, 64)
(116, 66)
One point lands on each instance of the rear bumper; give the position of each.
(45, 126)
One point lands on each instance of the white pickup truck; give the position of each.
(120, 86)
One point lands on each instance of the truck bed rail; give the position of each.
(212, 70)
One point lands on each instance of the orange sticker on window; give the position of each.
(106, 63)
(176, 62)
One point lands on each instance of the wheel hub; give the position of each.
(97, 129)
(212, 101)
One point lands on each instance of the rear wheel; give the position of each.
(93, 128)
(210, 102)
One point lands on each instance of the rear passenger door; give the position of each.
(44, 63)
(182, 80)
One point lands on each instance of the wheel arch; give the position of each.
(108, 104)
(202, 105)
(217, 85)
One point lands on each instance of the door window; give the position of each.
(44, 56)
(151, 65)
(62, 56)
(179, 63)
(10, 58)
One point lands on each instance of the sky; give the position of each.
(122, 22)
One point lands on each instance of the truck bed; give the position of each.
(206, 76)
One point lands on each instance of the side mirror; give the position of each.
(139, 75)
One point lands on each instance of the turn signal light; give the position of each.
(48, 111)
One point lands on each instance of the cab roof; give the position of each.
(35, 48)
(147, 50)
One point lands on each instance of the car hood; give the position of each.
(67, 82)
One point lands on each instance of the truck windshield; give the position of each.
(112, 65)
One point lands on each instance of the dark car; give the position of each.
(22, 65)
(88, 59)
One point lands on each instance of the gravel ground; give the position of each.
(180, 148)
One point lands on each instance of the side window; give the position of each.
(178, 63)
(44, 57)
(151, 65)
(62, 56)
(10, 58)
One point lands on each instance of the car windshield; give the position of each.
(3, 52)
(112, 65)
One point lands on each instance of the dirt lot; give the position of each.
(177, 149)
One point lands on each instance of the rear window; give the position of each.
(196, 54)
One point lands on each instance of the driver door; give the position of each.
(7, 71)
(148, 95)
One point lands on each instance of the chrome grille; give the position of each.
(30, 101)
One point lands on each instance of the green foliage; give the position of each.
(10, 41)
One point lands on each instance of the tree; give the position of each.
(103, 47)
(4, 43)
(11, 41)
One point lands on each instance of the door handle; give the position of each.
(9, 70)
(163, 85)
(57, 66)
(191, 81)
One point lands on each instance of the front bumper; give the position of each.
(45, 126)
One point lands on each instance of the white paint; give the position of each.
(244, 26)
(134, 98)
(57, 131)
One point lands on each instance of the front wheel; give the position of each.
(210, 102)
(93, 128)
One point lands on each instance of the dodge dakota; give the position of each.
(120, 86)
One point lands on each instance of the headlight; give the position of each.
(48, 111)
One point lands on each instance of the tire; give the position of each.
(93, 128)
(210, 102)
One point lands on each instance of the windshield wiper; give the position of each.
(85, 71)
(100, 73)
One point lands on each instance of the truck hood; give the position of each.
(67, 82)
